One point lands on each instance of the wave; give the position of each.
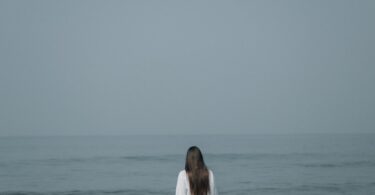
(96, 159)
(152, 158)
(261, 156)
(224, 157)
(308, 188)
(287, 189)
(362, 163)
(91, 192)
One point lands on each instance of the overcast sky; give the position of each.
(182, 67)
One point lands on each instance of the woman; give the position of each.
(196, 179)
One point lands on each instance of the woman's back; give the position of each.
(183, 185)
(196, 179)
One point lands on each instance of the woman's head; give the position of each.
(197, 172)
(194, 159)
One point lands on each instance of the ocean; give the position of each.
(290, 164)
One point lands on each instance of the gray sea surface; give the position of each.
(148, 164)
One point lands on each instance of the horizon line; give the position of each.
(186, 134)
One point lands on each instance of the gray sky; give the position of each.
(139, 67)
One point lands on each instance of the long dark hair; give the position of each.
(197, 172)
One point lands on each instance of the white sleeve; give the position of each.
(180, 187)
(212, 184)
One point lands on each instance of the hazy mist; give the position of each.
(182, 67)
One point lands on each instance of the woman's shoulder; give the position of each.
(182, 173)
(210, 172)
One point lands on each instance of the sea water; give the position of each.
(148, 164)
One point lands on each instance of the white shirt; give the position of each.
(183, 186)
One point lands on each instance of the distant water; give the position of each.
(251, 164)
